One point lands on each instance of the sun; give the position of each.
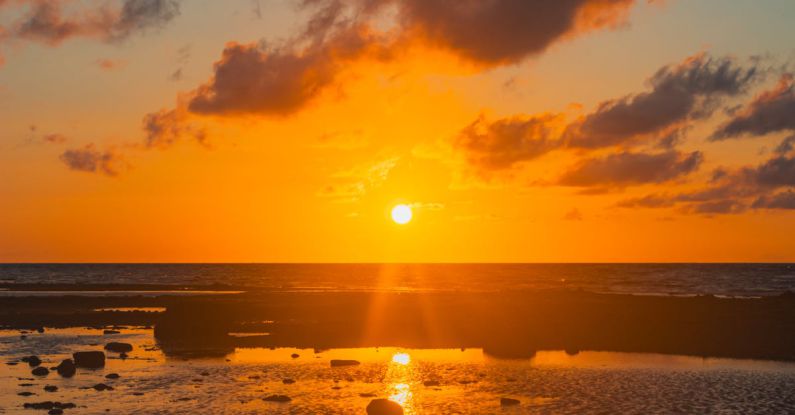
(401, 214)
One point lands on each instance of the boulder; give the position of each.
(112, 376)
(277, 398)
(295, 355)
(90, 360)
(118, 347)
(67, 368)
(50, 388)
(33, 361)
(343, 362)
(384, 407)
(41, 371)
(508, 402)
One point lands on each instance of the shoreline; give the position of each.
(504, 324)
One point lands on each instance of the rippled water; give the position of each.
(469, 380)
(669, 279)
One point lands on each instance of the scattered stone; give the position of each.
(112, 376)
(110, 332)
(343, 362)
(138, 393)
(123, 355)
(384, 407)
(431, 383)
(295, 355)
(26, 384)
(205, 373)
(91, 360)
(23, 337)
(49, 405)
(56, 411)
(288, 381)
(508, 402)
(12, 363)
(40, 371)
(118, 347)
(25, 393)
(33, 361)
(277, 398)
(336, 387)
(67, 368)
(368, 395)
(102, 387)
(51, 388)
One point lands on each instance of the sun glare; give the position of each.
(401, 358)
(401, 214)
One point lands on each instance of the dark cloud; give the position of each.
(277, 81)
(769, 112)
(505, 142)
(778, 171)
(717, 207)
(166, 127)
(92, 160)
(46, 22)
(501, 31)
(54, 138)
(781, 200)
(786, 146)
(679, 92)
(628, 168)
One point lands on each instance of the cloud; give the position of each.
(679, 92)
(782, 200)
(770, 111)
(501, 144)
(628, 168)
(164, 128)
(351, 185)
(275, 81)
(45, 21)
(109, 64)
(90, 159)
(498, 32)
(54, 138)
(574, 214)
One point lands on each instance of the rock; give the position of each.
(23, 337)
(49, 405)
(118, 347)
(138, 393)
(384, 407)
(336, 387)
(33, 361)
(110, 332)
(277, 398)
(40, 371)
(12, 363)
(288, 381)
(123, 355)
(295, 355)
(26, 384)
(431, 383)
(51, 388)
(67, 368)
(25, 393)
(368, 395)
(508, 402)
(343, 362)
(91, 360)
(102, 387)
(56, 411)
(40, 329)
(112, 376)
(205, 373)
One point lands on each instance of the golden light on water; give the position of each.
(401, 358)
(401, 214)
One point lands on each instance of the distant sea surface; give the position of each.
(645, 279)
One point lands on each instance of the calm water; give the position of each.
(469, 381)
(667, 279)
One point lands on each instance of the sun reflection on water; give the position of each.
(401, 358)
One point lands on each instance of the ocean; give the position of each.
(732, 280)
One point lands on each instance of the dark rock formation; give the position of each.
(384, 407)
(343, 362)
(90, 360)
(118, 347)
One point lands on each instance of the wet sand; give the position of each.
(554, 351)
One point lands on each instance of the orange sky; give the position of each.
(271, 131)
